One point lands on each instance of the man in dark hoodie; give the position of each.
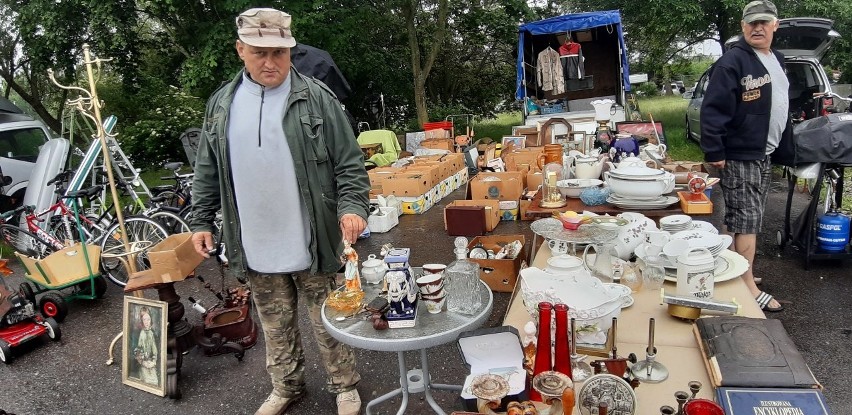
(744, 116)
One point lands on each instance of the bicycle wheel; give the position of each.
(25, 242)
(170, 221)
(171, 199)
(139, 229)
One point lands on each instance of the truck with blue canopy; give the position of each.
(566, 62)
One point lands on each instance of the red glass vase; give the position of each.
(562, 354)
(543, 360)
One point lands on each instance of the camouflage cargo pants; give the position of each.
(276, 297)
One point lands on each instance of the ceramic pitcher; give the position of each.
(695, 273)
(602, 267)
(552, 153)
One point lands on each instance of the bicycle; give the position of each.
(38, 241)
(177, 195)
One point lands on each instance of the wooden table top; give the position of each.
(577, 205)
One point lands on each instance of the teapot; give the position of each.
(373, 269)
(696, 269)
(586, 167)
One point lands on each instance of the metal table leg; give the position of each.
(413, 381)
(403, 389)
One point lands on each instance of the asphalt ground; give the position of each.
(70, 376)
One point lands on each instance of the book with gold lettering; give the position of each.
(772, 401)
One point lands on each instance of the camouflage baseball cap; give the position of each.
(265, 28)
(760, 10)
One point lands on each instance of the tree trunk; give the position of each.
(421, 69)
(52, 122)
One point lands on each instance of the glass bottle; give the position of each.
(562, 353)
(465, 293)
(654, 273)
(543, 361)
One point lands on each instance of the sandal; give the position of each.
(763, 299)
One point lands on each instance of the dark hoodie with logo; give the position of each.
(736, 109)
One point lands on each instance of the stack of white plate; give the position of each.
(676, 223)
(700, 225)
(623, 202)
(703, 239)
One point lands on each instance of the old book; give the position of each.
(751, 352)
(751, 401)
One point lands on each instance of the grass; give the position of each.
(671, 112)
(496, 128)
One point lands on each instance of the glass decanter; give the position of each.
(465, 293)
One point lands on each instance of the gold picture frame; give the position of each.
(144, 353)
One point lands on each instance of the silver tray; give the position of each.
(551, 228)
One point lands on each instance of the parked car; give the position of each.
(21, 138)
(803, 41)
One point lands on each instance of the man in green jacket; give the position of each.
(278, 157)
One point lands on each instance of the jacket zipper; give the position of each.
(260, 121)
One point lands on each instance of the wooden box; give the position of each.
(499, 274)
(705, 206)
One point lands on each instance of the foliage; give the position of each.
(647, 89)
(154, 137)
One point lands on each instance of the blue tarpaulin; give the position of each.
(570, 23)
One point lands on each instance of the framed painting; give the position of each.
(143, 355)
(643, 130)
(513, 142)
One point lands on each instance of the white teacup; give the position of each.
(430, 283)
(655, 237)
(653, 250)
(558, 247)
(435, 306)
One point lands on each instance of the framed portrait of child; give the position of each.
(144, 344)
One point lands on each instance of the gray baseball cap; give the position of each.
(760, 10)
(265, 28)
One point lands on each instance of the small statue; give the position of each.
(353, 276)
(529, 344)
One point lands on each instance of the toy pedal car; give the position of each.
(19, 322)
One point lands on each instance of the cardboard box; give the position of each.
(523, 206)
(497, 186)
(509, 210)
(492, 211)
(65, 266)
(414, 205)
(438, 143)
(407, 184)
(522, 156)
(534, 180)
(174, 258)
(495, 350)
(500, 274)
(434, 171)
(684, 166)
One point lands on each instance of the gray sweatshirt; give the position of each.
(275, 228)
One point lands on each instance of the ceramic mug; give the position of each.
(558, 247)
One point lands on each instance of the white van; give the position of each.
(21, 138)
